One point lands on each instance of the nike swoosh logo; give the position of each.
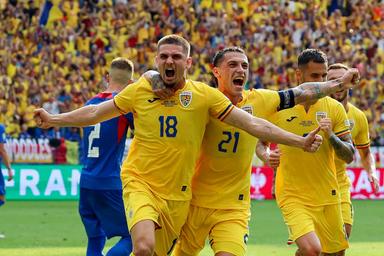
(291, 118)
(153, 100)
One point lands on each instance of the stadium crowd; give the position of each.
(55, 53)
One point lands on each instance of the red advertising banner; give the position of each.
(262, 178)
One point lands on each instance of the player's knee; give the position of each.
(310, 250)
(144, 247)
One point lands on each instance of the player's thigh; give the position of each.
(109, 209)
(330, 229)
(229, 233)
(172, 217)
(88, 216)
(194, 232)
(347, 212)
(299, 220)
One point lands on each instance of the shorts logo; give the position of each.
(185, 98)
(248, 109)
(333, 192)
(245, 238)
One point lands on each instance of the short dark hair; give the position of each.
(219, 56)
(337, 66)
(314, 55)
(175, 39)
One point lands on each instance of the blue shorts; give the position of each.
(103, 213)
(2, 183)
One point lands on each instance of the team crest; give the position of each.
(351, 124)
(248, 109)
(185, 98)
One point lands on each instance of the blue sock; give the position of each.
(121, 248)
(96, 246)
(1, 202)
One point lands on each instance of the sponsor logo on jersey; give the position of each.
(185, 98)
(248, 109)
(291, 118)
(153, 100)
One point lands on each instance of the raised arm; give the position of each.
(342, 145)
(369, 165)
(84, 116)
(316, 90)
(267, 131)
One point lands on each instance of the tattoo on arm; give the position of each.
(315, 90)
(156, 82)
(343, 147)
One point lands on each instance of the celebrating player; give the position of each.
(101, 204)
(220, 187)
(360, 136)
(158, 171)
(306, 187)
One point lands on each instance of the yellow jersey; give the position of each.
(222, 178)
(168, 134)
(309, 178)
(360, 137)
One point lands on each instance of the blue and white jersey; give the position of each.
(2, 138)
(103, 147)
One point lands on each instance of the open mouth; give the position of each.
(238, 81)
(169, 72)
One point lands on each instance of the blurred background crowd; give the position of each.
(55, 53)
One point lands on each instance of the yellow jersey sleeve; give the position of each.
(359, 127)
(125, 100)
(218, 104)
(339, 120)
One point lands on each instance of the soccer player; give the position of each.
(7, 162)
(158, 171)
(101, 204)
(360, 136)
(220, 187)
(306, 186)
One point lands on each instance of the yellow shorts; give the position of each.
(227, 231)
(142, 204)
(325, 221)
(346, 205)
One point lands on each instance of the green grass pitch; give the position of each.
(50, 228)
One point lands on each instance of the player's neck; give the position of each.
(113, 87)
(345, 104)
(177, 86)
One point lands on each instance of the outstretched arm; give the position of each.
(267, 131)
(369, 165)
(316, 90)
(84, 116)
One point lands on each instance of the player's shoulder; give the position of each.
(355, 110)
(331, 102)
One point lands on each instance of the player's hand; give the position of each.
(274, 158)
(42, 118)
(325, 125)
(350, 79)
(10, 175)
(312, 141)
(157, 84)
(374, 180)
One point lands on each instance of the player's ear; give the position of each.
(216, 72)
(189, 62)
(299, 75)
